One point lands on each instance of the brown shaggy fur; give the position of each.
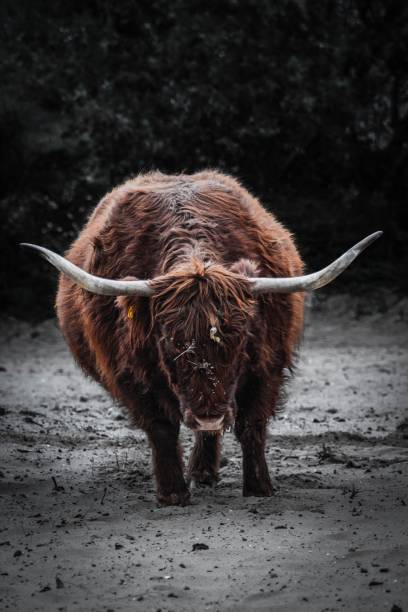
(199, 236)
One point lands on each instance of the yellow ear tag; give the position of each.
(130, 312)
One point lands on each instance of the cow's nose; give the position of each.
(208, 424)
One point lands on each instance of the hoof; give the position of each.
(259, 490)
(179, 498)
(203, 478)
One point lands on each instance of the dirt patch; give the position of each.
(80, 528)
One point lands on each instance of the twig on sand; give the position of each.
(57, 487)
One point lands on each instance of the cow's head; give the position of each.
(203, 313)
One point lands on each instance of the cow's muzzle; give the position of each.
(213, 424)
(209, 424)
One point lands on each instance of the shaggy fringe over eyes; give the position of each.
(199, 295)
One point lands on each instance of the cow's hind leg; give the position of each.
(167, 463)
(204, 461)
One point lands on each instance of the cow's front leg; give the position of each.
(251, 435)
(204, 461)
(167, 463)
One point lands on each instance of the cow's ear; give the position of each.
(126, 304)
(135, 314)
(245, 267)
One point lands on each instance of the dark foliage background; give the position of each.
(305, 101)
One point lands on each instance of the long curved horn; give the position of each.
(94, 284)
(316, 280)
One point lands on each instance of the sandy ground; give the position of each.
(80, 528)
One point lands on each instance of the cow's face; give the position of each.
(203, 322)
(203, 372)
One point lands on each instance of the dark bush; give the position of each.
(306, 102)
